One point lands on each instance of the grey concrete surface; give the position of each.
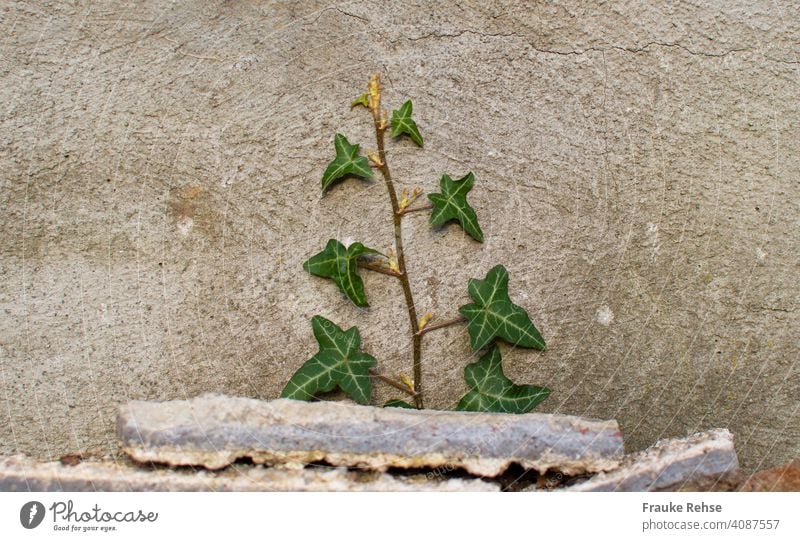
(214, 431)
(636, 171)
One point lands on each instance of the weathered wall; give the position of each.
(637, 172)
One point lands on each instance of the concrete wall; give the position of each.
(637, 173)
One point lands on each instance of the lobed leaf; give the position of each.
(402, 123)
(339, 362)
(492, 391)
(452, 204)
(362, 100)
(397, 403)
(340, 264)
(493, 315)
(347, 162)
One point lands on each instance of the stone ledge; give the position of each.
(213, 431)
(703, 461)
(22, 474)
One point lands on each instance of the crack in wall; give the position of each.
(579, 52)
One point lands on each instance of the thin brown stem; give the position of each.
(415, 209)
(389, 381)
(378, 268)
(381, 123)
(442, 325)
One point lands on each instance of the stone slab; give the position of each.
(214, 431)
(22, 474)
(703, 461)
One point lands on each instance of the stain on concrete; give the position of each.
(191, 208)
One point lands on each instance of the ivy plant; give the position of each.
(491, 318)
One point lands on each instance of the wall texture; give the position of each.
(637, 172)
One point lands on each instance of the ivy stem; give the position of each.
(448, 323)
(380, 121)
(393, 383)
(377, 268)
(415, 209)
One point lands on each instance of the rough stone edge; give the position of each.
(378, 461)
(702, 461)
(22, 474)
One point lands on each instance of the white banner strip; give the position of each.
(401, 516)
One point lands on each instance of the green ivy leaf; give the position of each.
(339, 264)
(494, 315)
(452, 204)
(403, 123)
(397, 403)
(347, 162)
(339, 362)
(363, 99)
(493, 391)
